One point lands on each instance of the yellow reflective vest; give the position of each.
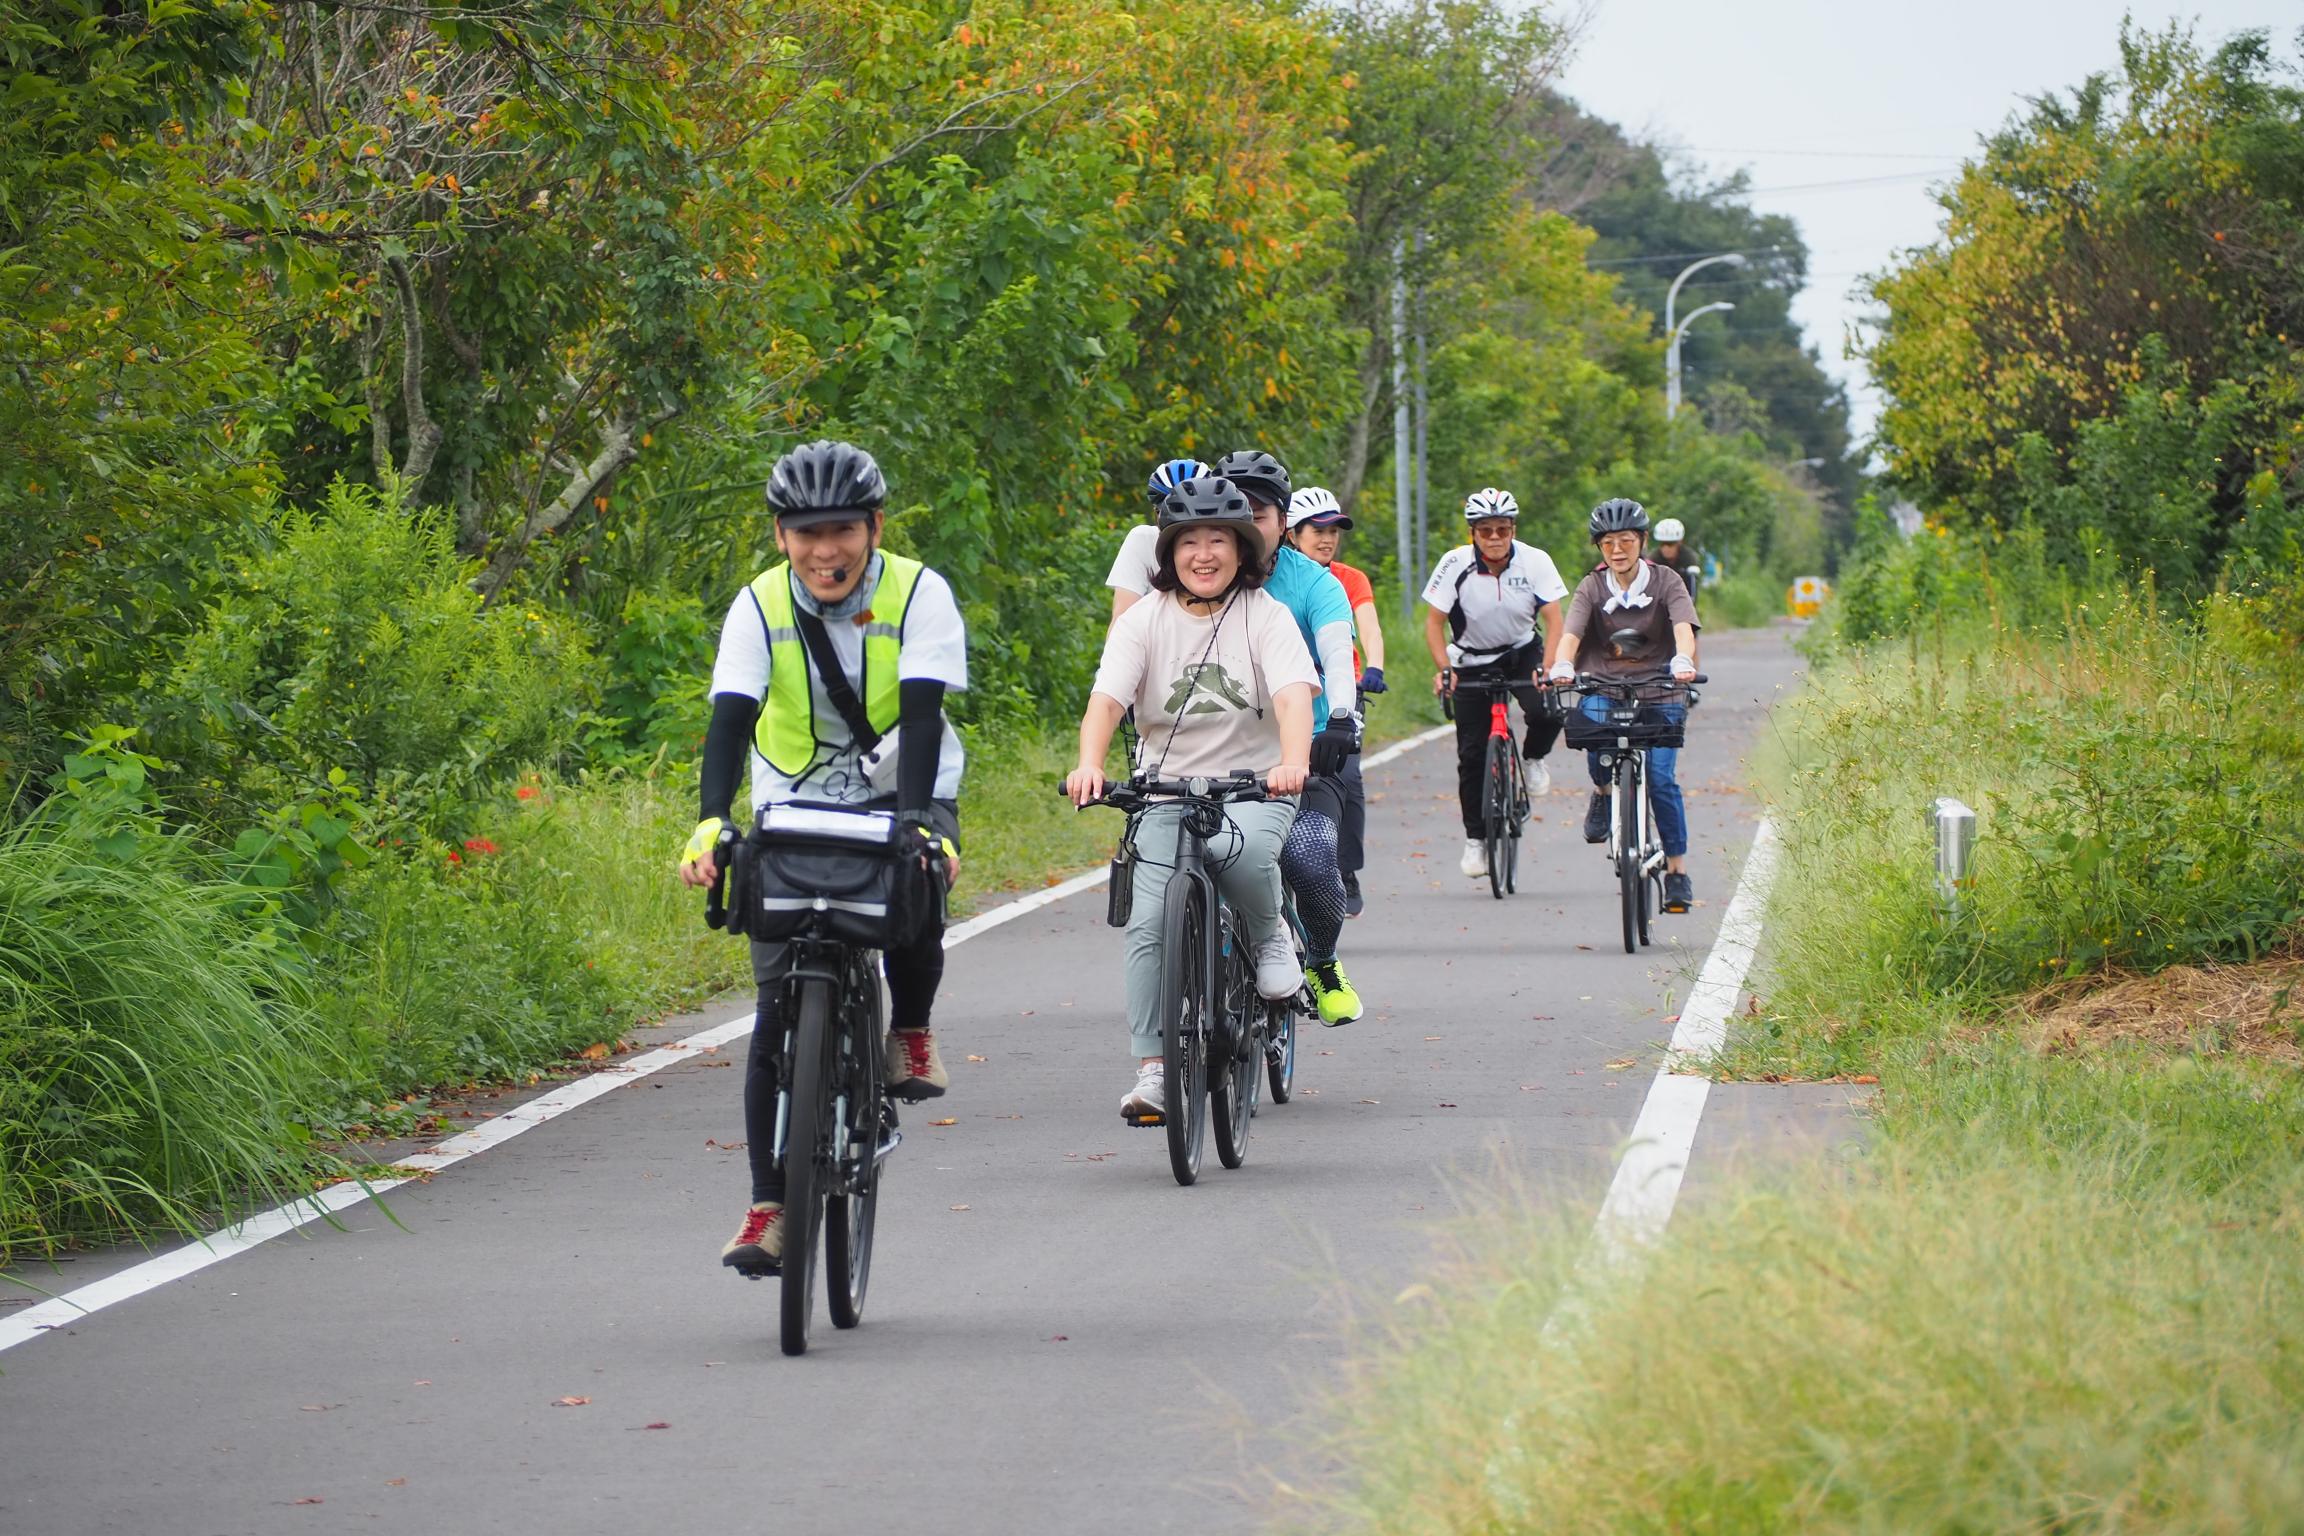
(788, 735)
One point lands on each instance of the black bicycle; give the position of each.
(1217, 1035)
(816, 884)
(1504, 801)
(1632, 725)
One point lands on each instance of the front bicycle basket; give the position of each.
(826, 870)
(1639, 720)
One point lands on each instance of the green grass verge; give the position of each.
(2060, 1293)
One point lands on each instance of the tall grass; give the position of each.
(2000, 1349)
(159, 1059)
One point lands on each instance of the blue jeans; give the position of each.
(1663, 777)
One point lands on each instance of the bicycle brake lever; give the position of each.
(716, 896)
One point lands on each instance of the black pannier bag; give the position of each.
(826, 869)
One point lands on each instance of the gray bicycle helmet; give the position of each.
(1211, 502)
(1619, 515)
(825, 482)
(1258, 474)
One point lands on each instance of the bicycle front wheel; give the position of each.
(1518, 823)
(1628, 876)
(806, 1130)
(854, 1201)
(1185, 995)
(1496, 812)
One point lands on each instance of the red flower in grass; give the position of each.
(454, 857)
(477, 845)
(526, 792)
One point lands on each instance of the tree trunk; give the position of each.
(1355, 466)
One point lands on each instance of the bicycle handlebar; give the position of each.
(1241, 786)
(1620, 687)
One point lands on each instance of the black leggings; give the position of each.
(1472, 733)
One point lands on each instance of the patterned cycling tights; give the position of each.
(1308, 864)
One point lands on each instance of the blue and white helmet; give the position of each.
(1490, 502)
(1172, 474)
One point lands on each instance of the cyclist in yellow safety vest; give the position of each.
(892, 629)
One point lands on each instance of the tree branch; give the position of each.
(952, 125)
(619, 446)
(424, 433)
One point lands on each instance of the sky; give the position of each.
(1847, 112)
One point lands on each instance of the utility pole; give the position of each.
(1423, 454)
(1402, 495)
(1673, 333)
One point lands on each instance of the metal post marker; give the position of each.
(1955, 827)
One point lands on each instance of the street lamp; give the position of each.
(1672, 359)
(1671, 298)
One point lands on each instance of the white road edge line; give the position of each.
(1647, 1183)
(60, 1311)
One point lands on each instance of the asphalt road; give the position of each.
(1058, 1339)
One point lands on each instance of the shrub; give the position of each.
(355, 641)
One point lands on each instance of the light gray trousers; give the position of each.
(1245, 859)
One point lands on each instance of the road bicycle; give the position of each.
(1219, 1039)
(1632, 725)
(1504, 802)
(836, 1119)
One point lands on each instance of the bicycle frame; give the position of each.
(847, 970)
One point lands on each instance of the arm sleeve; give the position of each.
(1127, 650)
(1337, 679)
(919, 741)
(733, 715)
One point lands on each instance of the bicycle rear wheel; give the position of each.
(1628, 877)
(1280, 1050)
(809, 1093)
(854, 1199)
(1184, 1019)
(1233, 1075)
(1496, 812)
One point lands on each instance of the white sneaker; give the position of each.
(1539, 780)
(1277, 973)
(1475, 860)
(1149, 1098)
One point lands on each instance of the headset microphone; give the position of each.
(840, 574)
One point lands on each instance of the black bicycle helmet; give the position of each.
(1211, 502)
(825, 482)
(1259, 474)
(1620, 514)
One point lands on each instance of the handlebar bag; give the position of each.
(814, 869)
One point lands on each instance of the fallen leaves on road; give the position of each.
(959, 1207)
(1059, 1338)
(1584, 946)
(1444, 1104)
(1371, 1101)
(726, 1146)
(659, 1424)
(317, 1407)
(977, 1058)
(395, 1482)
(314, 1500)
(1431, 1037)
(570, 1402)
(1621, 1064)
(425, 1383)
(944, 1122)
(596, 1051)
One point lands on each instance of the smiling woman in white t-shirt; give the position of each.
(1219, 677)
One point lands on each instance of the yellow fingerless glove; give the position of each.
(701, 840)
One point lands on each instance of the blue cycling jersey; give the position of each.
(1311, 592)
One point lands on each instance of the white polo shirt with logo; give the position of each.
(1499, 608)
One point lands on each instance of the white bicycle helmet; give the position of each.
(1490, 502)
(1316, 502)
(1670, 531)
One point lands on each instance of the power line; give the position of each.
(1852, 181)
(1822, 154)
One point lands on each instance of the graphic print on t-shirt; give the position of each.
(1206, 688)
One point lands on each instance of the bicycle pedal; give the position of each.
(1145, 1122)
(914, 1091)
(758, 1271)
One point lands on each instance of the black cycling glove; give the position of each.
(1332, 746)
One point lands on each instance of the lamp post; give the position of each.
(1672, 359)
(1671, 300)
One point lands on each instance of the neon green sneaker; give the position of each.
(1337, 1002)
